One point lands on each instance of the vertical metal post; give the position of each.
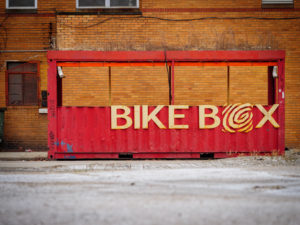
(228, 85)
(52, 108)
(6, 87)
(109, 84)
(281, 102)
(173, 82)
(59, 91)
(169, 83)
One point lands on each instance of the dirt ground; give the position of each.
(245, 190)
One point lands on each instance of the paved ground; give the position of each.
(23, 155)
(249, 190)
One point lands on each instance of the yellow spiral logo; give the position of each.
(237, 118)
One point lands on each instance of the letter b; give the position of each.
(115, 116)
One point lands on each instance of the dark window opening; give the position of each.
(107, 3)
(272, 4)
(130, 3)
(21, 4)
(22, 85)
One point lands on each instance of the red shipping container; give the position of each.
(164, 131)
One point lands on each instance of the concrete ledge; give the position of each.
(23, 155)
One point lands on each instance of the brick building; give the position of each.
(28, 29)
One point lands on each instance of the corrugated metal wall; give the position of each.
(88, 130)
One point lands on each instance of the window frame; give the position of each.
(7, 72)
(21, 7)
(282, 5)
(107, 6)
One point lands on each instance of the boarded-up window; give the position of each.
(22, 83)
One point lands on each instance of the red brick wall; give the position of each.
(140, 86)
(202, 4)
(249, 84)
(24, 127)
(121, 32)
(70, 5)
(246, 34)
(200, 85)
(89, 86)
(86, 86)
(27, 32)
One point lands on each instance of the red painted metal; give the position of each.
(85, 132)
(221, 56)
(281, 101)
(184, 10)
(161, 56)
(52, 108)
(173, 82)
(135, 64)
(88, 130)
